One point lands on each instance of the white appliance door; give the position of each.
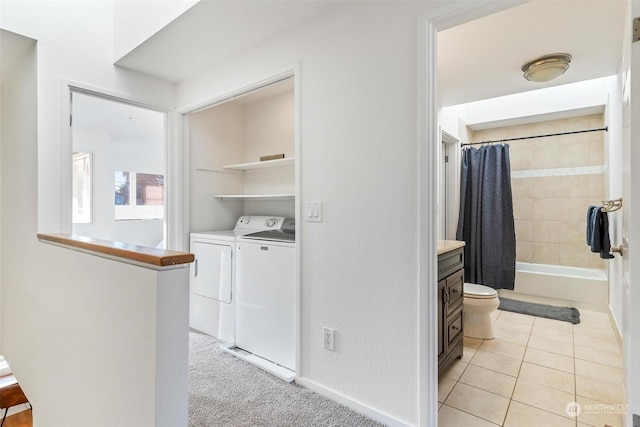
(211, 271)
(265, 311)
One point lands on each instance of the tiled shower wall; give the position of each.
(553, 181)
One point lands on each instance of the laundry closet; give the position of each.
(227, 178)
(242, 225)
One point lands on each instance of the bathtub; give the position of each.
(556, 284)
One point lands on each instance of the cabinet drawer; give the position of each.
(450, 262)
(454, 289)
(455, 328)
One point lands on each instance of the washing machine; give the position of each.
(266, 299)
(212, 300)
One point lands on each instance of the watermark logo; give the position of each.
(573, 409)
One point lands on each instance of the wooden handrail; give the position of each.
(142, 254)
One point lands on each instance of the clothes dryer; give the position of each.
(212, 305)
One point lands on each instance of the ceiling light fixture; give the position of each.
(547, 67)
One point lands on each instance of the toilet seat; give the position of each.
(475, 291)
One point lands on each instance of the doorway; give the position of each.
(119, 170)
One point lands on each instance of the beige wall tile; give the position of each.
(545, 253)
(521, 188)
(596, 186)
(575, 255)
(596, 152)
(545, 231)
(522, 208)
(524, 251)
(523, 230)
(574, 232)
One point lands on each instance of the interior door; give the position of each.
(631, 219)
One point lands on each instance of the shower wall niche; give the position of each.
(554, 180)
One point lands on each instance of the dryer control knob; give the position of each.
(271, 222)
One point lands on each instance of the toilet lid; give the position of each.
(472, 290)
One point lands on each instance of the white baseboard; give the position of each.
(615, 327)
(360, 407)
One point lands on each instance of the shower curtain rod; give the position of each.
(536, 136)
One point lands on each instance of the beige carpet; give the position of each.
(227, 392)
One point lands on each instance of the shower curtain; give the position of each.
(486, 220)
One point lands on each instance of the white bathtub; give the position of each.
(580, 287)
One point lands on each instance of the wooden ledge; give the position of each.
(142, 254)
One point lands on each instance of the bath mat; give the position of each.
(566, 314)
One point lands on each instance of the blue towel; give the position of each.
(600, 238)
(591, 222)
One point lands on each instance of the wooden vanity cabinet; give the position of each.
(450, 306)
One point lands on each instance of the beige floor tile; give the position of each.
(594, 413)
(444, 388)
(480, 403)
(555, 324)
(489, 380)
(599, 390)
(541, 397)
(598, 356)
(520, 415)
(594, 319)
(598, 371)
(598, 343)
(504, 348)
(521, 328)
(467, 354)
(595, 333)
(496, 362)
(508, 335)
(472, 342)
(550, 360)
(548, 377)
(455, 370)
(509, 316)
(495, 315)
(549, 332)
(557, 347)
(452, 417)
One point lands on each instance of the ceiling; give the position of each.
(123, 122)
(213, 30)
(483, 58)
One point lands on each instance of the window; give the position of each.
(138, 196)
(82, 201)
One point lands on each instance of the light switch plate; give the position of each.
(313, 211)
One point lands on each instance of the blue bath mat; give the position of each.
(566, 314)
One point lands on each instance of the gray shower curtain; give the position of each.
(486, 220)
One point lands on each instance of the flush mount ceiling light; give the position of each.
(547, 67)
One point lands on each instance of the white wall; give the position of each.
(135, 21)
(359, 155)
(80, 332)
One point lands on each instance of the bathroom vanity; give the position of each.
(450, 301)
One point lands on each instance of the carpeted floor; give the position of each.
(227, 392)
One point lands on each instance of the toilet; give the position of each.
(479, 302)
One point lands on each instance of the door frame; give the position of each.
(455, 13)
(182, 135)
(173, 172)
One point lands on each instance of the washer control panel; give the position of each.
(254, 222)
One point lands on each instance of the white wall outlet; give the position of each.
(328, 338)
(313, 211)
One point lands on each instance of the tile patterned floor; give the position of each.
(531, 371)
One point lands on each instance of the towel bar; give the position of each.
(619, 249)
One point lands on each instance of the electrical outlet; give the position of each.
(328, 339)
